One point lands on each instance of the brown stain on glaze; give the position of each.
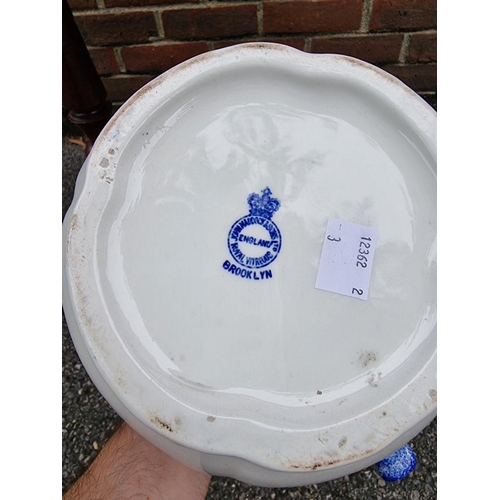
(73, 223)
(433, 394)
(367, 357)
(120, 382)
(163, 424)
(371, 381)
(83, 311)
(388, 77)
(321, 464)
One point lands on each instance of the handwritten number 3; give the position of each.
(359, 292)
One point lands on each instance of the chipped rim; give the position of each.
(296, 448)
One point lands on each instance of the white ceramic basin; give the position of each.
(192, 249)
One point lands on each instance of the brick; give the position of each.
(376, 49)
(159, 57)
(419, 77)
(403, 14)
(82, 4)
(143, 3)
(121, 87)
(118, 28)
(312, 16)
(104, 60)
(210, 22)
(297, 43)
(423, 48)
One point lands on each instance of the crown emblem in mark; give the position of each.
(263, 206)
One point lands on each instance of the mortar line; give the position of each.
(173, 41)
(405, 48)
(308, 44)
(159, 24)
(160, 8)
(119, 60)
(260, 18)
(366, 16)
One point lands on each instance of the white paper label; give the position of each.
(346, 259)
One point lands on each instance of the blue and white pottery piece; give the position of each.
(398, 465)
(192, 248)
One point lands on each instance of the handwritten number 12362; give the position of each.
(363, 251)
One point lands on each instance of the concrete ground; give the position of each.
(88, 420)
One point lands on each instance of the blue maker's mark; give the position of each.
(246, 273)
(249, 248)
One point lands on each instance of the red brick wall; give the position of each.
(131, 41)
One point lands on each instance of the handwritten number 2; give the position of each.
(359, 292)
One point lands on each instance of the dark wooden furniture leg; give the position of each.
(84, 95)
